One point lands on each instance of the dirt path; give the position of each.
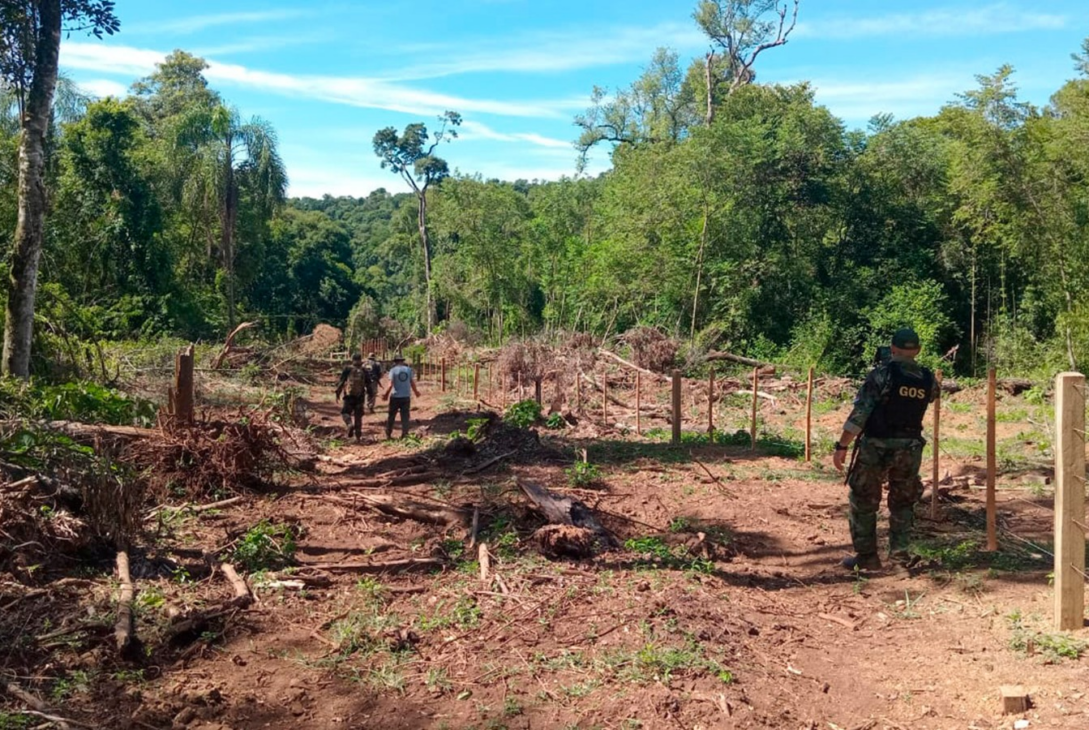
(722, 607)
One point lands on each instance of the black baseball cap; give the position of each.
(905, 338)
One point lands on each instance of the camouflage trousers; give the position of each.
(877, 461)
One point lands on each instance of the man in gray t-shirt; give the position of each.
(402, 384)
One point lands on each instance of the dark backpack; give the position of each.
(357, 381)
(903, 405)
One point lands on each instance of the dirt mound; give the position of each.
(321, 340)
(565, 541)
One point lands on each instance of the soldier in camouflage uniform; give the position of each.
(888, 421)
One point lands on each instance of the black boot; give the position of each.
(862, 562)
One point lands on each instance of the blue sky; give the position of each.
(328, 74)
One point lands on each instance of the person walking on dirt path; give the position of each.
(887, 420)
(353, 386)
(374, 376)
(402, 385)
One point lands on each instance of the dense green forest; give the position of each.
(766, 228)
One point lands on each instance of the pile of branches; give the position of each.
(526, 360)
(213, 457)
(651, 348)
(444, 345)
(60, 497)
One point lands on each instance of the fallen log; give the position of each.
(399, 506)
(229, 344)
(123, 627)
(650, 409)
(1015, 386)
(242, 595)
(481, 467)
(485, 562)
(379, 567)
(39, 708)
(91, 430)
(633, 366)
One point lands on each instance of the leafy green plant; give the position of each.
(476, 428)
(555, 422)
(582, 474)
(523, 414)
(265, 546)
(77, 401)
(1054, 647)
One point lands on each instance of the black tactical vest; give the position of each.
(903, 405)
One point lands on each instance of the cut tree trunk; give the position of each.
(564, 510)
(123, 628)
(30, 227)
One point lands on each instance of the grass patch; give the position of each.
(655, 553)
(462, 614)
(1053, 647)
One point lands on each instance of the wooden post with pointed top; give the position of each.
(676, 407)
(755, 388)
(992, 467)
(809, 418)
(935, 445)
(1070, 532)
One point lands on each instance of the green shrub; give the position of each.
(556, 421)
(76, 401)
(265, 547)
(523, 414)
(582, 474)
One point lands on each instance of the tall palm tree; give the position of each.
(242, 161)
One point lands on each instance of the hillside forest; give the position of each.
(751, 220)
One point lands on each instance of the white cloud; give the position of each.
(475, 130)
(968, 20)
(349, 90)
(104, 87)
(181, 26)
(315, 182)
(858, 101)
(260, 43)
(551, 51)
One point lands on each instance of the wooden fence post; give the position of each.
(578, 392)
(711, 405)
(935, 445)
(537, 389)
(442, 367)
(992, 468)
(1070, 530)
(809, 418)
(676, 407)
(605, 399)
(755, 386)
(182, 395)
(476, 381)
(638, 403)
